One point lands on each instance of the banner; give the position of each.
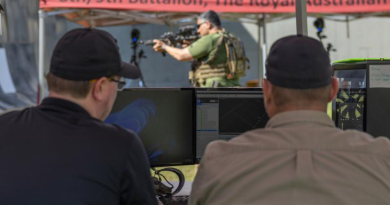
(231, 6)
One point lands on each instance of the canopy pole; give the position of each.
(260, 59)
(300, 10)
(347, 21)
(41, 67)
(264, 47)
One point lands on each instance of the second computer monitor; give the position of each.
(222, 114)
(163, 119)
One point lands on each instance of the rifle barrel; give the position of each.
(147, 42)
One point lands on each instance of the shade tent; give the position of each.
(96, 13)
(227, 6)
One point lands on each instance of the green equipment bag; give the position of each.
(236, 58)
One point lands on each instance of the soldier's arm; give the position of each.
(180, 54)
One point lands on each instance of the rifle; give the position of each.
(186, 33)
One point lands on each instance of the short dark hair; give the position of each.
(211, 17)
(301, 98)
(77, 89)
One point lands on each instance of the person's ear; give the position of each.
(100, 88)
(268, 98)
(334, 88)
(209, 26)
(267, 90)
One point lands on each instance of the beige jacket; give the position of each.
(300, 158)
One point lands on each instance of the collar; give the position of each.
(292, 118)
(60, 105)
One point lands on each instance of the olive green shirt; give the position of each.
(205, 47)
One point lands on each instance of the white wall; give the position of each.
(367, 36)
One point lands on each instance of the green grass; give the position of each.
(189, 172)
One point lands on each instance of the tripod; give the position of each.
(320, 25)
(135, 59)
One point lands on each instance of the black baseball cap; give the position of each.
(298, 62)
(87, 54)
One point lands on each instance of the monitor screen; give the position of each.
(222, 114)
(354, 78)
(348, 107)
(163, 119)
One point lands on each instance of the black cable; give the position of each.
(166, 180)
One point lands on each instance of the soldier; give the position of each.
(215, 62)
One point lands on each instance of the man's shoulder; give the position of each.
(115, 130)
(332, 139)
(241, 143)
(204, 40)
(14, 113)
(358, 140)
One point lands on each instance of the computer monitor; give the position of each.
(348, 108)
(163, 119)
(349, 112)
(222, 114)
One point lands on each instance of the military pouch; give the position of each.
(191, 77)
(236, 58)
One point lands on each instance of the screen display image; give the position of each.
(224, 114)
(350, 109)
(163, 119)
(348, 79)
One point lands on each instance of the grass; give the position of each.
(189, 172)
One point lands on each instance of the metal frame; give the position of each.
(300, 8)
(128, 17)
(102, 17)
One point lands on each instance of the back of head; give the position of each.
(211, 17)
(299, 69)
(82, 55)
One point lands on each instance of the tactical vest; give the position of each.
(235, 66)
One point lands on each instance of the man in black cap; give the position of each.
(300, 157)
(61, 152)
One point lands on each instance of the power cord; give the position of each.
(163, 190)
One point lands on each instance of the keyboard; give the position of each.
(174, 200)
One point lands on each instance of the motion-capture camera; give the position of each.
(135, 34)
(319, 24)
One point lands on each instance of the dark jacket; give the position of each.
(57, 153)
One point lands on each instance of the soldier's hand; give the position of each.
(158, 46)
(185, 43)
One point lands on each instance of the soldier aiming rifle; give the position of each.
(219, 57)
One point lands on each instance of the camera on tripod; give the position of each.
(135, 34)
(137, 56)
